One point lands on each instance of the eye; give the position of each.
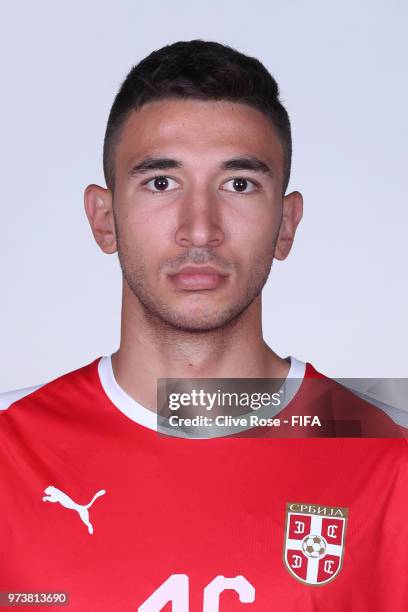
(160, 183)
(241, 184)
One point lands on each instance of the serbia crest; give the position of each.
(314, 542)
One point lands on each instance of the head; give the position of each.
(197, 156)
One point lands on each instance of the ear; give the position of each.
(98, 203)
(291, 216)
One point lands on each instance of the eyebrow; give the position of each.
(248, 162)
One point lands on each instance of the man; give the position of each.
(197, 161)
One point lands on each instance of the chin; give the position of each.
(197, 316)
(196, 326)
(197, 323)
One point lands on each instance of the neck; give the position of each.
(150, 349)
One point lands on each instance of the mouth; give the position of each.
(196, 278)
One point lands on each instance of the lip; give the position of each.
(195, 278)
(198, 270)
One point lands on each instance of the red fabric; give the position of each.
(200, 508)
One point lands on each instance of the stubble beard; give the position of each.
(163, 315)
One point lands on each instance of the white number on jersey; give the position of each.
(176, 590)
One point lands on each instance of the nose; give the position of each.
(199, 220)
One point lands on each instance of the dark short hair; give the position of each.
(202, 70)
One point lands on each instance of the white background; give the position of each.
(339, 301)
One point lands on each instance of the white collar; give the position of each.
(143, 416)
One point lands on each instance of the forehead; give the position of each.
(199, 129)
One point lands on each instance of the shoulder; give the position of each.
(371, 402)
(10, 397)
(63, 384)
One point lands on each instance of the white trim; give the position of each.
(10, 397)
(297, 368)
(398, 415)
(122, 401)
(148, 418)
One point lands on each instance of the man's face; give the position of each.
(197, 209)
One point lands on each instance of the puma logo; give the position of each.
(55, 495)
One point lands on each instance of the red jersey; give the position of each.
(95, 503)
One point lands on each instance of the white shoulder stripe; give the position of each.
(10, 397)
(388, 394)
(398, 415)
